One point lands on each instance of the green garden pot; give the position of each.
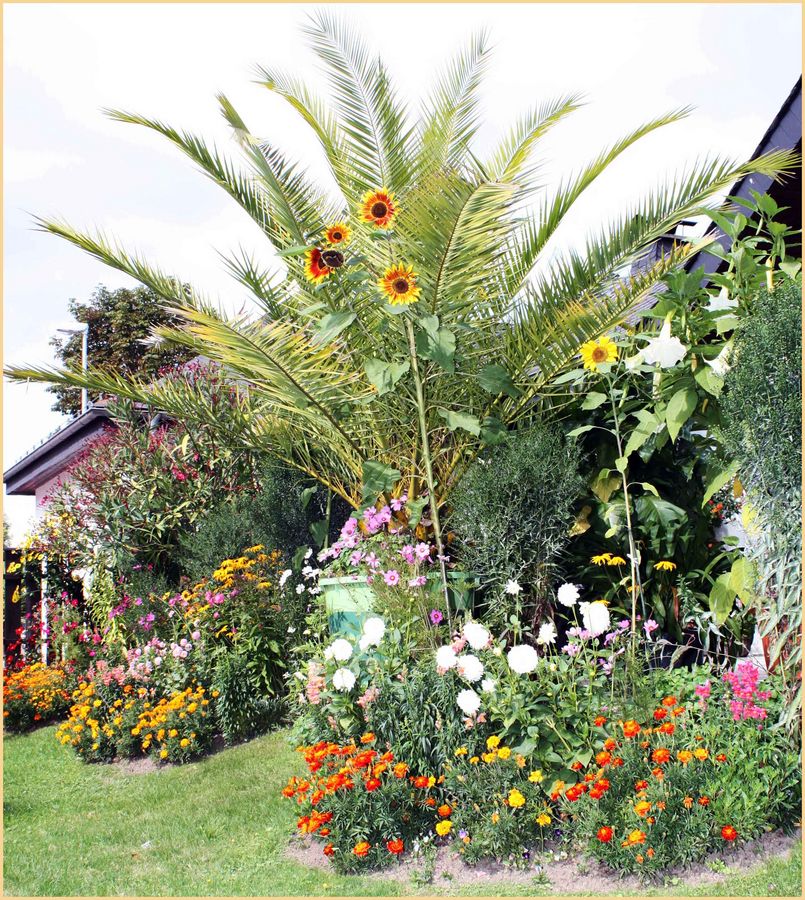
(349, 600)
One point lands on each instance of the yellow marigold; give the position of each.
(492, 742)
(488, 757)
(184, 742)
(536, 776)
(596, 353)
(516, 799)
(474, 760)
(543, 819)
(504, 752)
(443, 827)
(701, 753)
(462, 751)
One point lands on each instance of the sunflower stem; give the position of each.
(423, 433)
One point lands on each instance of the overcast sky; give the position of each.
(63, 63)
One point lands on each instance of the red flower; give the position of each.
(630, 729)
(641, 785)
(669, 701)
(599, 721)
(729, 833)
(604, 834)
(610, 744)
(704, 801)
(372, 784)
(660, 714)
(576, 766)
(661, 755)
(603, 757)
(421, 781)
(396, 846)
(721, 757)
(361, 848)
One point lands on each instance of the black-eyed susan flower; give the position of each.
(602, 559)
(340, 233)
(616, 561)
(315, 269)
(596, 353)
(399, 284)
(379, 208)
(665, 565)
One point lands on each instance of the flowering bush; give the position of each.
(34, 695)
(110, 717)
(363, 804)
(695, 776)
(496, 803)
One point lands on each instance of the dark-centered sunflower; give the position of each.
(379, 208)
(315, 269)
(399, 285)
(340, 233)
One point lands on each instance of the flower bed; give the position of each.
(34, 695)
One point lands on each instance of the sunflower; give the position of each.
(594, 353)
(399, 283)
(378, 207)
(315, 269)
(340, 233)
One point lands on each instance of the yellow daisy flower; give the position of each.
(665, 565)
(602, 559)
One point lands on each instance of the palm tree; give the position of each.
(349, 382)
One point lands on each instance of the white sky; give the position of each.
(63, 63)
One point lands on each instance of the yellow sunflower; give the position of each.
(378, 207)
(340, 233)
(595, 353)
(315, 269)
(399, 284)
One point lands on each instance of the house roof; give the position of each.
(56, 452)
(784, 133)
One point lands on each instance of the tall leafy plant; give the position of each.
(415, 321)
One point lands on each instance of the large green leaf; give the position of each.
(384, 375)
(436, 343)
(496, 380)
(465, 421)
(679, 410)
(378, 477)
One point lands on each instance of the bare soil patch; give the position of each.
(575, 875)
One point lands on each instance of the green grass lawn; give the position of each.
(215, 827)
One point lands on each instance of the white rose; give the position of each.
(547, 634)
(595, 616)
(468, 702)
(522, 659)
(341, 650)
(470, 667)
(476, 635)
(373, 630)
(446, 657)
(488, 686)
(343, 680)
(568, 595)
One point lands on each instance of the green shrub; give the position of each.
(240, 711)
(273, 517)
(762, 425)
(762, 400)
(512, 512)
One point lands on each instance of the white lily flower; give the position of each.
(665, 351)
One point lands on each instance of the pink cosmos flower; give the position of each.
(419, 581)
(392, 577)
(422, 551)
